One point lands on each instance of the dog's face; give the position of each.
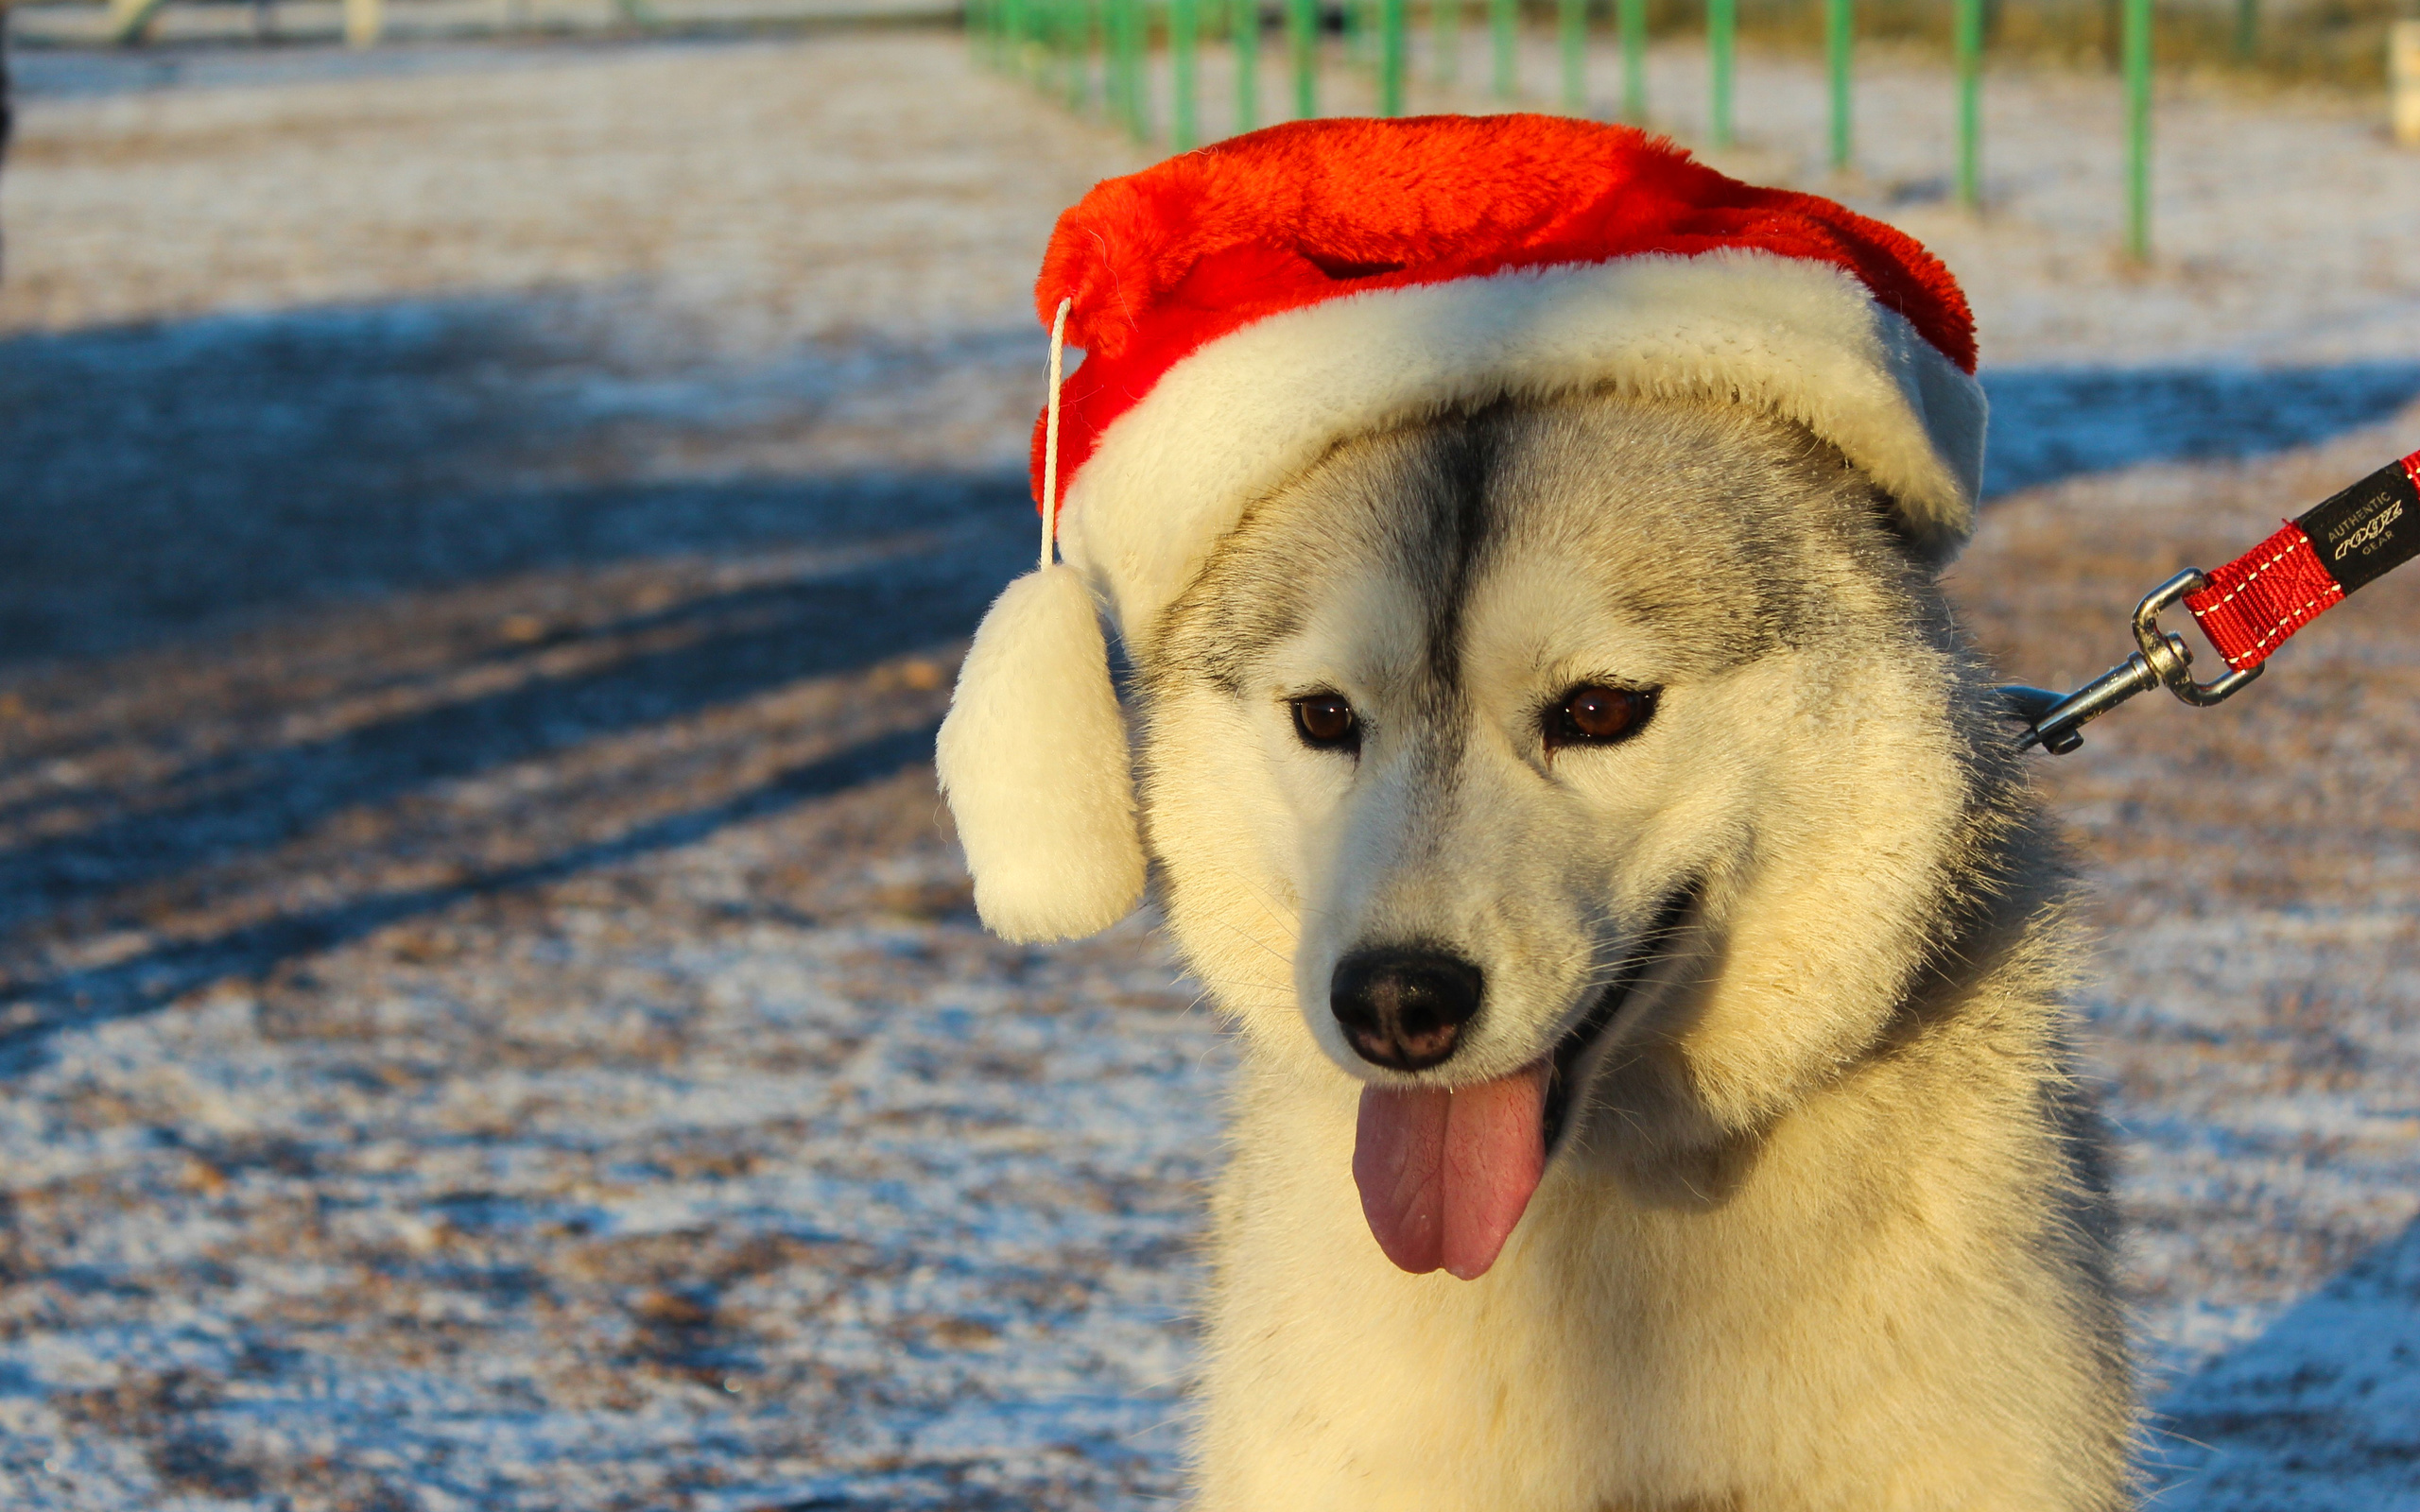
(1500, 743)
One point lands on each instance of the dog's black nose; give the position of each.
(1404, 1008)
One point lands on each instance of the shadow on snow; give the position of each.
(2319, 1414)
(2052, 423)
(165, 486)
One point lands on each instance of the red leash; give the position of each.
(2247, 608)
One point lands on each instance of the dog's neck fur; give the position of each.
(1828, 1228)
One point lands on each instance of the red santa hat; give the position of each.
(1244, 307)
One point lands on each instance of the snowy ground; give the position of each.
(491, 1013)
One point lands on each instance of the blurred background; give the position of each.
(491, 1014)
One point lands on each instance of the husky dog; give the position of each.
(1616, 766)
(1560, 763)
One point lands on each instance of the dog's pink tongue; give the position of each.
(1445, 1175)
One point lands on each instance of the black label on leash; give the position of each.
(2370, 529)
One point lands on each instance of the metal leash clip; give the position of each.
(2055, 721)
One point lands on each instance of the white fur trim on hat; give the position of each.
(1255, 408)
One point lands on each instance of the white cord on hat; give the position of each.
(1050, 437)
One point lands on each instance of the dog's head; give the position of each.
(1555, 759)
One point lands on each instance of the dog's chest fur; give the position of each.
(1826, 1228)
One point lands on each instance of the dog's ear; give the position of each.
(1035, 760)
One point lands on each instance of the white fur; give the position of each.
(1255, 408)
(1035, 760)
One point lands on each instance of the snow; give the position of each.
(490, 1013)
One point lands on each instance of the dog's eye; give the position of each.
(1598, 716)
(1326, 722)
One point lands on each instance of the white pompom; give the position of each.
(1035, 760)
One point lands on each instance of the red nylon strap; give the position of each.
(2266, 594)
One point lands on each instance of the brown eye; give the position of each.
(1598, 716)
(1326, 722)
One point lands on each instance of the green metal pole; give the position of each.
(1840, 44)
(2138, 129)
(1393, 56)
(1096, 44)
(1631, 17)
(1121, 61)
(1136, 86)
(1146, 126)
(1445, 20)
(1722, 39)
(1184, 30)
(1303, 41)
(1502, 17)
(1970, 103)
(1571, 24)
(2247, 29)
(1243, 28)
(1074, 18)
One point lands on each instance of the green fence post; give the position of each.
(2138, 129)
(1970, 103)
(1721, 40)
(1243, 28)
(2247, 29)
(1063, 63)
(1445, 22)
(1303, 56)
(1630, 17)
(1303, 43)
(1134, 85)
(1503, 16)
(1079, 87)
(1393, 56)
(1571, 23)
(1184, 30)
(1839, 43)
